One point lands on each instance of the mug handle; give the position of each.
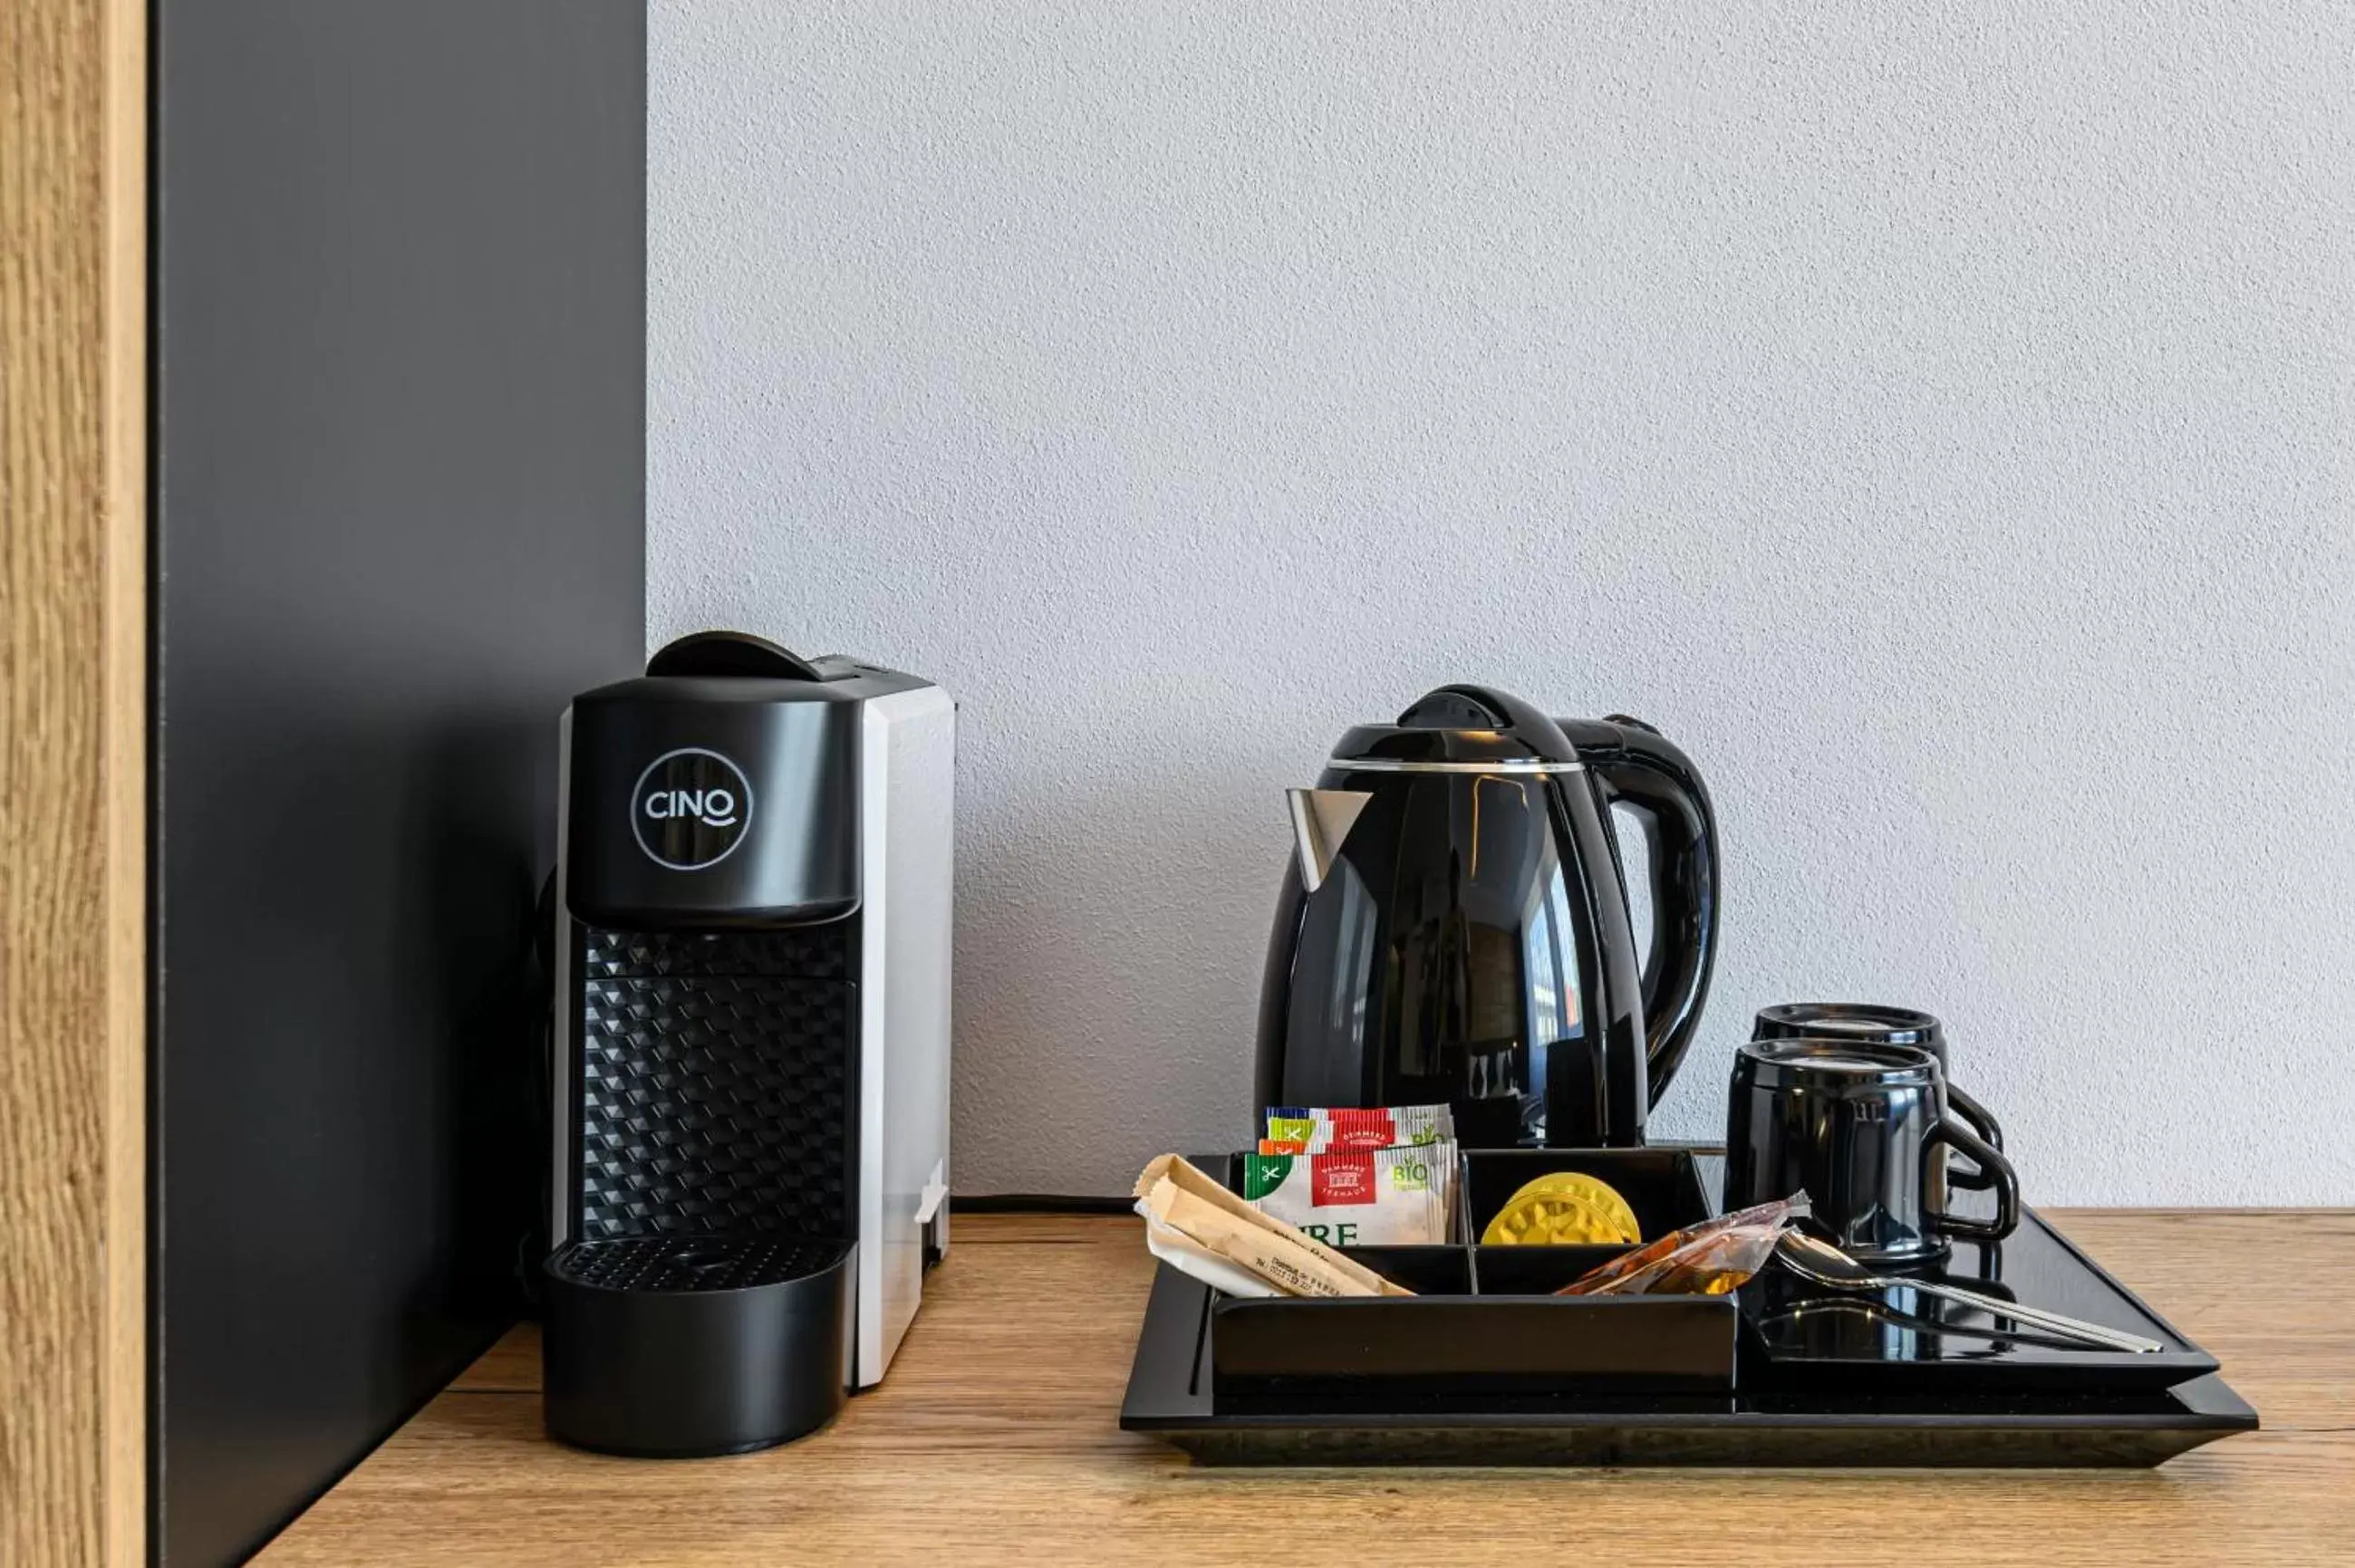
(1981, 1120)
(1951, 1132)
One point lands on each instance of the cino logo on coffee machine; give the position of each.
(690, 809)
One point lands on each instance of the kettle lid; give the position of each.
(1461, 724)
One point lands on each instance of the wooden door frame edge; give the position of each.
(75, 426)
(126, 1383)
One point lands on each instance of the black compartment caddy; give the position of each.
(751, 1085)
(1486, 1318)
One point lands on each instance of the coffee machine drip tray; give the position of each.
(691, 1343)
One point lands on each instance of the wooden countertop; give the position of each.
(995, 1439)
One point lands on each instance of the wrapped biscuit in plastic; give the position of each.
(1708, 1259)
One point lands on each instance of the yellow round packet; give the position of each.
(1564, 1208)
(1595, 1191)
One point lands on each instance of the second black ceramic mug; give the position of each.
(1878, 1023)
(1858, 1128)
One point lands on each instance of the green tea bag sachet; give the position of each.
(1312, 1130)
(1401, 1196)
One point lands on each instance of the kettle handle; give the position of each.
(1640, 768)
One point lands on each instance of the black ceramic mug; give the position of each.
(1878, 1024)
(1857, 1126)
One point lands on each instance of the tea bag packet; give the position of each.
(1197, 1227)
(1312, 1129)
(1400, 1196)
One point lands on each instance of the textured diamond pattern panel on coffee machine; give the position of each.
(715, 1104)
(688, 1262)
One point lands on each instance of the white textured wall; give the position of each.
(1940, 419)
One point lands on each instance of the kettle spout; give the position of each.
(1321, 818)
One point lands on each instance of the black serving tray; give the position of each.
(1484, 1320)
(1898, 1340)
(1820, 1401)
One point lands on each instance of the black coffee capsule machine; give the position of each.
(752, 1066)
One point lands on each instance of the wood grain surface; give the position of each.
(72, 780)
(995, 1439)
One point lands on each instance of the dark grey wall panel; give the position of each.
(400, 408)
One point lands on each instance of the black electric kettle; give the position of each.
(1455, 924)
